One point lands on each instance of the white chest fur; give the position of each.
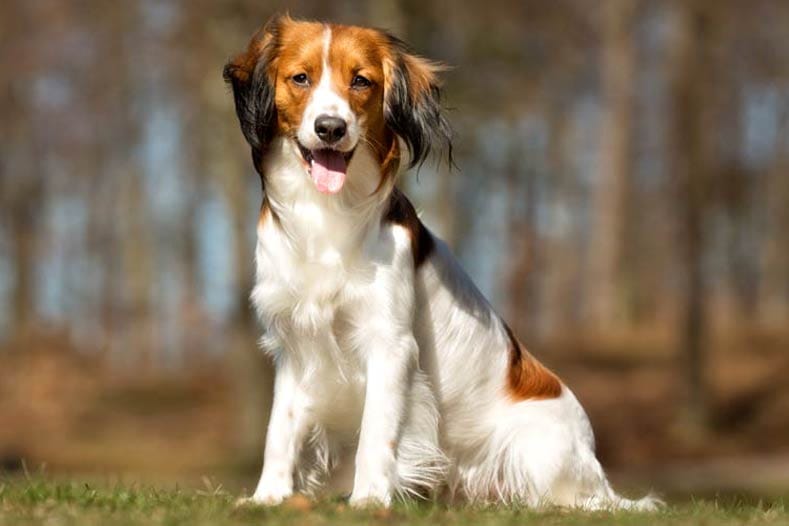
(302, 284)
(316, 259)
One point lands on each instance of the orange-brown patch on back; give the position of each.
(401, 212)
(527, 378)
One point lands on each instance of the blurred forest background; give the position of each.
(622, 197)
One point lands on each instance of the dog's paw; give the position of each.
(370, 498)
(361, 503)
(265, 497)
(246, 502)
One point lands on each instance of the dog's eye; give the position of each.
(360, 82)
(301, 79)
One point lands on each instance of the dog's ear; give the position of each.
(412, 103)
(250, 74)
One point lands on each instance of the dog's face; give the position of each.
(330, 89)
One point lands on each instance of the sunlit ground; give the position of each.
(39, 500)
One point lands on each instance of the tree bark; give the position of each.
(23, 233)
(688, 77)
(774, 283)
(607, 305)
(523, 266)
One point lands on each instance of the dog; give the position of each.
(394, 375)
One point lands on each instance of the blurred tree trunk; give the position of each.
(192, 316)
(102, 242)
(22, 187)
(24, 214)
(742, 215)
(607, 306)
(561, 265)
(688, 79)
(139, 310)
(125, 217)
(774, 284)
(523, 261)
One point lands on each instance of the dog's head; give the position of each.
(331, 89)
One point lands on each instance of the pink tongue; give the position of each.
(328, 170)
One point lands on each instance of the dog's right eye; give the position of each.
(301, 79)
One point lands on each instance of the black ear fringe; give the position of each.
(254, 101)
(253, 93)
(417, 117)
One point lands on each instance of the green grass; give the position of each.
(43, 501)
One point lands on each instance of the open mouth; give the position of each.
(328, 168)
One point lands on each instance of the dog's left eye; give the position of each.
(301, 79)
(360, 82)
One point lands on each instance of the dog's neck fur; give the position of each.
(312, 245)
(315, 223)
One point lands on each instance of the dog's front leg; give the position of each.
(386, 327)
(389, 369)
(287, 428)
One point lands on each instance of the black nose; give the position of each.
(330, 129)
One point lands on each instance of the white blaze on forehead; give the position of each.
(325, 99)
(326, 44)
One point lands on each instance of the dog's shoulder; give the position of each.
(400, 211)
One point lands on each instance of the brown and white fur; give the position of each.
(394, 376)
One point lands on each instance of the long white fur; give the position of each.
(390, 380)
